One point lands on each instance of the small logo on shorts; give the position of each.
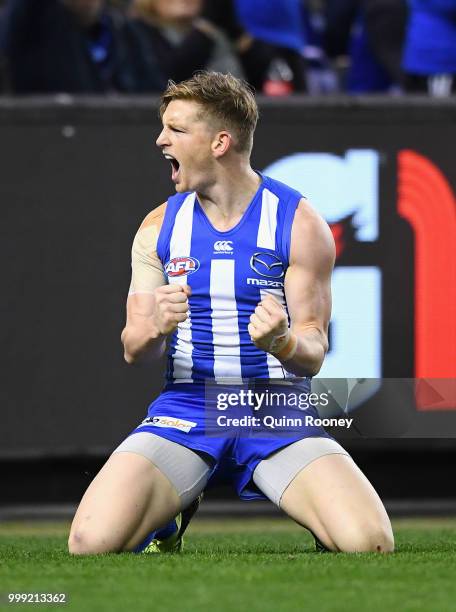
(171, 422)
(181, 266)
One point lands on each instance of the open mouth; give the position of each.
(175, 165)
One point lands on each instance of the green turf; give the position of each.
(246, 565)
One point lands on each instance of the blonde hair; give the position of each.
(230, 101)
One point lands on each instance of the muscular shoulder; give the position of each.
(155, 217)
(147, 235)
(147, 269)
(311, 238)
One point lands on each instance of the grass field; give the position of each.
(237, 565)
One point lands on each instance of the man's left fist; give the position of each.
(268, 326)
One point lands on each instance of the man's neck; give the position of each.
(227, 199)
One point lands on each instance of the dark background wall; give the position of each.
(76, 179)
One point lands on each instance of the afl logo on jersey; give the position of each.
(181, 266)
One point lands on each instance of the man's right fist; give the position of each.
(171, 307)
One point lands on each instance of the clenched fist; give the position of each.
(171, 307)
(268, 326)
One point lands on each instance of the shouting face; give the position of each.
(187, 141)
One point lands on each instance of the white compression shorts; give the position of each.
(189, 471)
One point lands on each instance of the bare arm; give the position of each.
(303, 346)
(154, 309)
(308, 289)
(141, 334)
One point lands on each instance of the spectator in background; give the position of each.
(280, 26)
(385, 22)
(74, 46)
(321, 78)
(259, 40)
(254, 55)
(369, 33)
(429, 59)
(182, 40)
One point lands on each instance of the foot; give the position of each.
(170, 538)
(319, 546)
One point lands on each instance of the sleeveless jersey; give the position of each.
(229, 272)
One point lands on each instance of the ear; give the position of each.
(221, 143)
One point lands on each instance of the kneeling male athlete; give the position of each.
(236, 269)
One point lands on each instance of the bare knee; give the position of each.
(107, 520)
(367, 537)
(82, 542)
(77, 544)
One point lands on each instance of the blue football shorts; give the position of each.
(179, 414)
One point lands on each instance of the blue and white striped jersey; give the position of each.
(229, 273)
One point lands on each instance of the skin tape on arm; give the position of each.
(288, 349)
(146, 268)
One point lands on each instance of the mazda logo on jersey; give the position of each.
(267, 264)
(181, 266)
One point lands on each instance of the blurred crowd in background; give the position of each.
(280, 47)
